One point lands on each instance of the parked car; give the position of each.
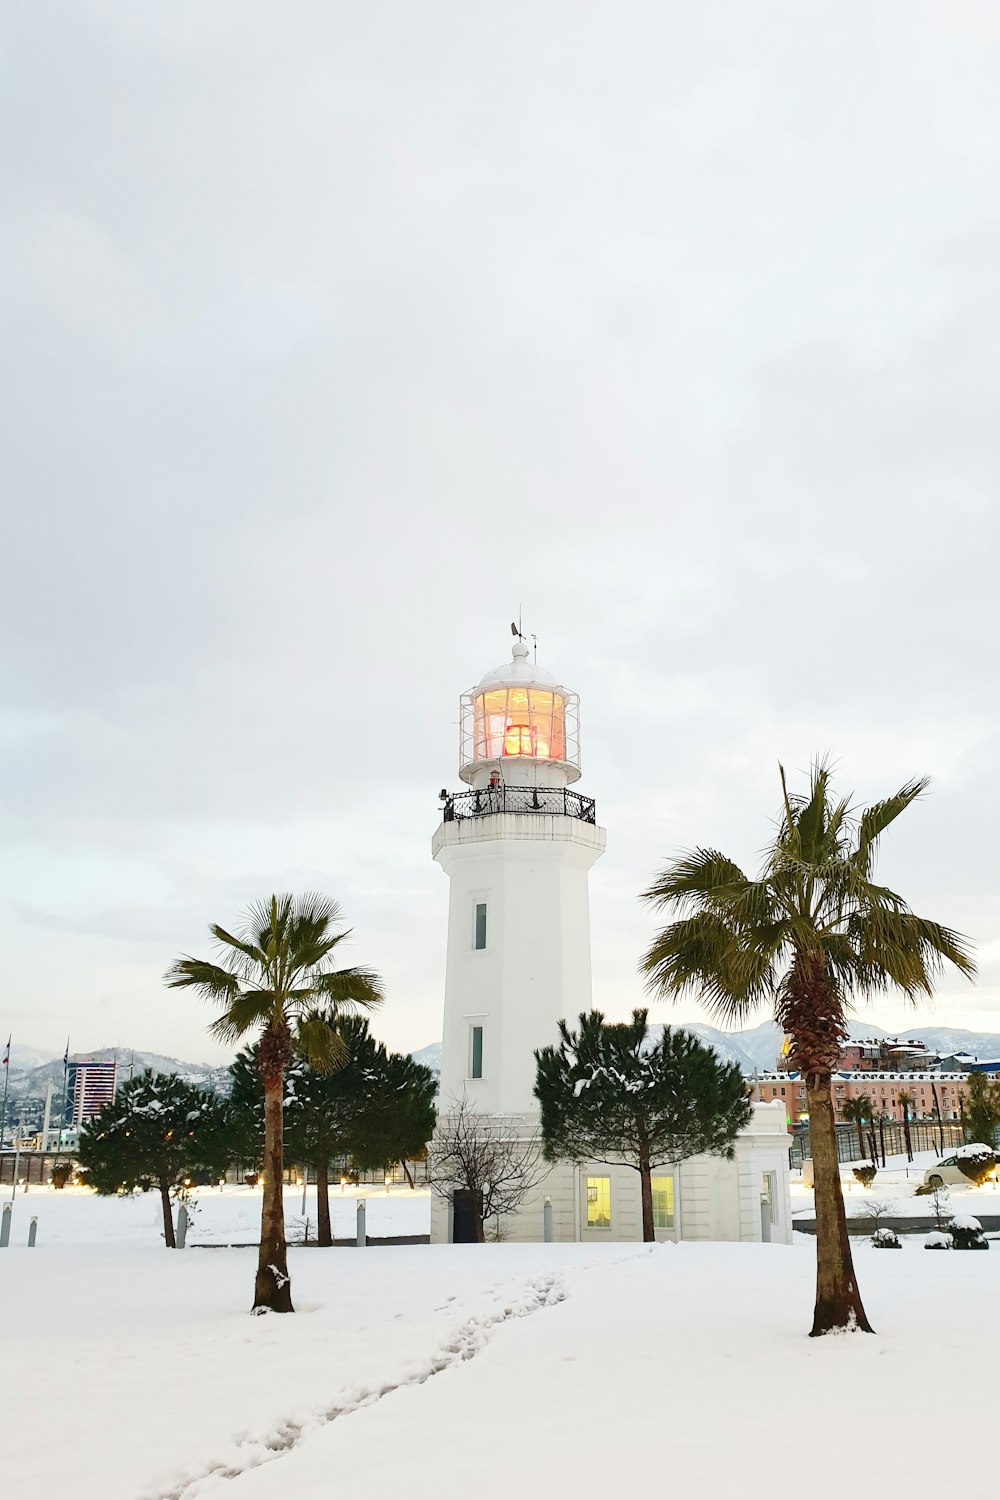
(947, 1170)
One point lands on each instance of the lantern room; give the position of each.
(519, 723)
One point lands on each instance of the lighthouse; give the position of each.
(517, 846)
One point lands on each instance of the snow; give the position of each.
(130, 1372)
(965, 1221)
(938, 1241)
(896, 1184)
(75, 1216)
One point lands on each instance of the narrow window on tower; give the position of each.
(481, 925)
(475, 1052)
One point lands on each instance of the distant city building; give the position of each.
(883, 1089)
(877, 1055)
(964, 1062)
(89, 1086)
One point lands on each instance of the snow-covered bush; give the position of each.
(938, 1241)
(977, 1162)
(61, 1173)
(967, 1234)
(886, 1239)
(864, 1172)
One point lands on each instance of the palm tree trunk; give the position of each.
(273, 1289)
(906, 1135)
(408, 1174)
(323, 1229)
(838, 1301)
(168, 1216)
(861, 1135)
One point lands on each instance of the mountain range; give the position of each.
(754, 1049)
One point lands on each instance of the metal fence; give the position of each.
(925, 1135)
(485, 801)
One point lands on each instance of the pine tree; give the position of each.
(982, 1109)
(158, 1131)
(399, 1120)
(375, 1108)
(609, 1094)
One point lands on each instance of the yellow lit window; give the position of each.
(520, 721)
(598, 1202)
(663, 1202)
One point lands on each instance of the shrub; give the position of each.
(938, 1241)
(977, 1162)
(967, 1234)
(886, 1239)
(61, 1173)
(864, 1172)
(923, 1190)
(251, 1178)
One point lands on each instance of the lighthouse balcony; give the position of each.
(486, 802)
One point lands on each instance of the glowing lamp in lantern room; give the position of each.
(518, 721)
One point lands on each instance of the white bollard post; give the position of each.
(362, 1234)
(32, 1231)
(182, 1227)
(5, 1225)
(451, 1219)
(547, 1221)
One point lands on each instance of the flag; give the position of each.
(6, 1055)
(66, 1054)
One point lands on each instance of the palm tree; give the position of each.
(856, 1111)
(905, 1100)
(811, 934)
(276, 980)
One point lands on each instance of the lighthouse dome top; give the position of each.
(519, 724)
(519, 669)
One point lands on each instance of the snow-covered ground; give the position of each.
(128, 1372)
(895, 1185)
(231, 1216)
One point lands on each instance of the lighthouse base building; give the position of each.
(704, 1198)
(517, 847)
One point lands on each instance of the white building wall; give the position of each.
(531, 873)
(714, 1199)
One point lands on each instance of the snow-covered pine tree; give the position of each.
(157, 1131)
(609, 1093)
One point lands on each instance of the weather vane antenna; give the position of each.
(517, 631)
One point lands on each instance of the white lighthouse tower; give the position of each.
(516, 847)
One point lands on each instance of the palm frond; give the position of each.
(704, 955)
(213, 981)
(250, 951)
(811, 819)
(702, 872)
(246, 1011)
(876, 818)
(321, 1046)
(347, 988)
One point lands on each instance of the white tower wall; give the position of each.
(530, 872)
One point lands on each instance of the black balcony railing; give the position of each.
(486, 801)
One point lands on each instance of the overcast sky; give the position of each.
(332, 333)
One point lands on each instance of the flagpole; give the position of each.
(62, 1121)
(6, 1081)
